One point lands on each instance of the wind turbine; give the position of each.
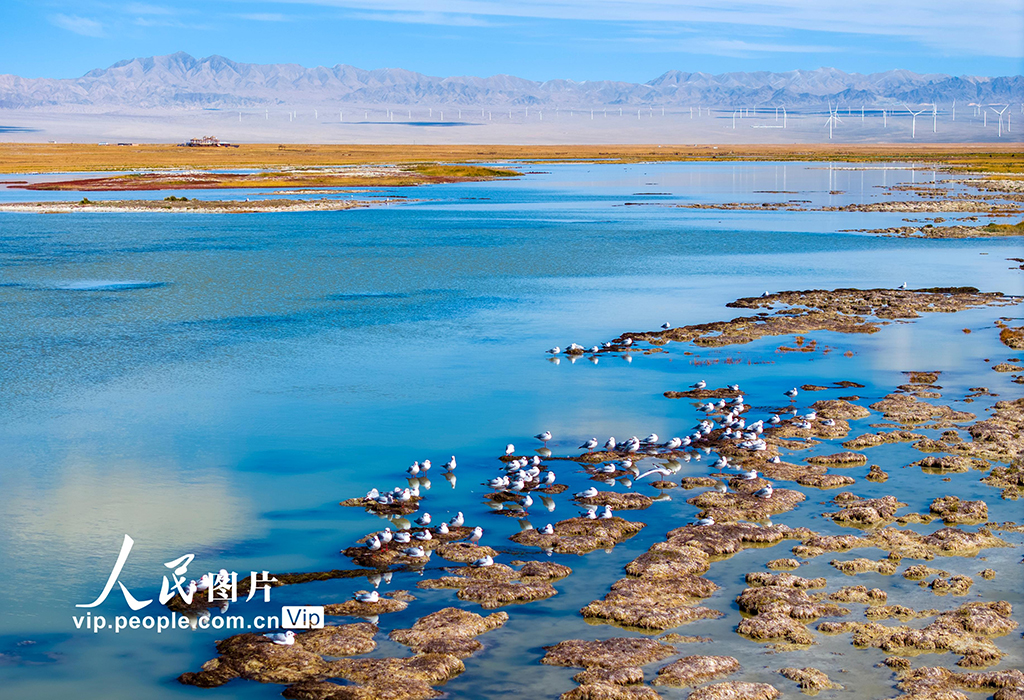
(1000, 113)
(833, 118)
(913, 124)
(954, 109)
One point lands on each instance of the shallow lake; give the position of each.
(217, 384)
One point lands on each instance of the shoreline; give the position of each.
(51, 158)
(141, 206)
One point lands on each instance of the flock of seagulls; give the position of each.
(524, 479)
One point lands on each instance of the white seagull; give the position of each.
(666, 326)
(282, 638)
(363, 597)
(510, 449)
(450, 464)
(610, 444)
(704, 522)
(544, 437)
(792, 393)
(699, 385)
(483, 561)
(423, 520)
(414, 552)
(548, 529)
(459, 520)
(589, 493)
(766, 492)
(555, 350)
(478, 532)
(589, 445)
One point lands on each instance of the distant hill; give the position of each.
(180, 81)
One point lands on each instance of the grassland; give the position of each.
(25, 158)
(285, 178)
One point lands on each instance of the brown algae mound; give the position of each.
(882, 438)
(964, 631)
(907, 410)
(1010, 479)
(765, 578)
(735, 690)
(254, 657)
(840, 310)
(618, 652)
(355, 608)
(949, 463)
(957, 585)
(783, 564)
(953, 511)
(840, 459)
(698, 482)
(918, 572)
(998, 438)
(937, 683)
(580, 535)
(497, 585)
(410, 678)
(859, 594)
(1011, 337)
(743, 504)
(1007, 367)
(897, 612)
(810, 680)
(947, 541)
(618, 501)
(723, 539)
(448, 631)
(886, 567)
(864, 512)
(811, 475)
(839, 409)
(780, 612)
(876, 474)
(464, 552)
(653, 603)
(397, 508)
(692, 670)
(610, 684)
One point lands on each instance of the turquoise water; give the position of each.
(216, 384)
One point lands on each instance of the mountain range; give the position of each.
(181, 81)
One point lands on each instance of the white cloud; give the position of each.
(141, 8)
(443, 18)
(78, 25)
(266, 17)
(993, 27)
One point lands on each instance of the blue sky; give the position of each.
(631, 40)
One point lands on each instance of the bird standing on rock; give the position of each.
(588, 493)
(371, 597)
(589, 445)
(510, 450)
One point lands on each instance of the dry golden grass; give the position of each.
(21, 158)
